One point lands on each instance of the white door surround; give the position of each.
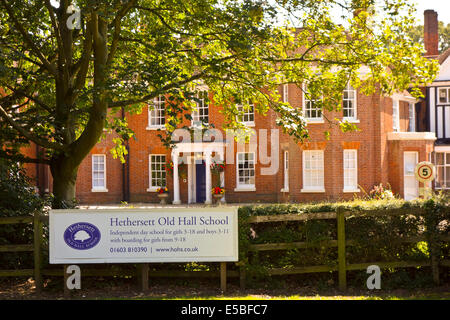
(410, 183)
(196, 150)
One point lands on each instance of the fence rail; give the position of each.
(142, 271)
(16, 220)
(341, 244)
(35, 247)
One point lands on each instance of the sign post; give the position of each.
(425, 172)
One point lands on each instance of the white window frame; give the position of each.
(310, 102)
(152, 187)
(395, 115)
(320, 168)
(93, 171)
(202, 112)
(244, 186)
(350, 169)
(349, 90)
(157, 113)
(286, 172)
(447, 89)
(443, 167)
(410, 183)
(412, 117)
(249, 113)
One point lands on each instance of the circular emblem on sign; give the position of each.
(425, 171)
(82, 236)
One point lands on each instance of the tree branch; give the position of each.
(21, 92)
(28, 135)
(83, 64)
(23, 159)
(117, 23)
(28, 40)
(124, 103)
(55, 26)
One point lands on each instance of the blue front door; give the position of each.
(200, 177)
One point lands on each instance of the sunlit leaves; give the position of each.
(235, 49)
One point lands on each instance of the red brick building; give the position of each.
(395, 134)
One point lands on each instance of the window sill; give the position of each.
(351, 190)
(99, 190)
(312, 190)
(155, 128)
(350, 120)
(411, 136)
(199, 126)
(245, 189)
(313, 121)
(249, 124)
(152, 189)
(284, 190)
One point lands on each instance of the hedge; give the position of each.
(373, 238)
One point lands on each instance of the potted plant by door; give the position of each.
(218, 194)
(163, 194)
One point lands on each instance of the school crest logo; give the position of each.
(82, 236)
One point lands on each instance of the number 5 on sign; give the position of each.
(425, 171)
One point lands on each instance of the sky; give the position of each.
(442, 7)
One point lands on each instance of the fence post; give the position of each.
(142, 275)
(432, 235)
(65, 277)
(223, 276)
(434, 245)
(435, 265)
(341, 249)
(37, 237)
(242, 277)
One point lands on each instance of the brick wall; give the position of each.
(396, 160)
(378, 162)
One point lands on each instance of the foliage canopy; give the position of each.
(61, 82)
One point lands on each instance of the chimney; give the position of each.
(431, 36)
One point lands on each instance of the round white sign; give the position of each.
(425, 171)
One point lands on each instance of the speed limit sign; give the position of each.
(425, 171)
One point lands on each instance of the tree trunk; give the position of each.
(64, 166)
(64, 173)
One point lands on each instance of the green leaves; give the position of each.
(237, 49)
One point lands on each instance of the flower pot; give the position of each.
(163, 197)
(218, 198)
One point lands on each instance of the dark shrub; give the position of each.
(17, 198)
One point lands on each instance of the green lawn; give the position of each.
(430, 296)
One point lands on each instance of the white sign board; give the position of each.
(144, 235)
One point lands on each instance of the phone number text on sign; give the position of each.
(143, 235)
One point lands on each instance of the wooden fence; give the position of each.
(341, 244)
(36, 248)
(142, 272)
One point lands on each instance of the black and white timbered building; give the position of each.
(438, 120)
